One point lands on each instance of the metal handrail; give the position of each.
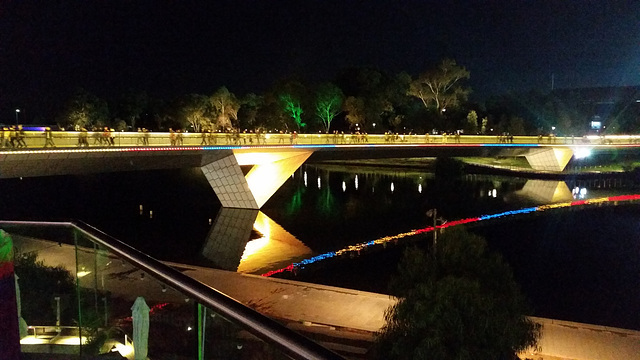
(286, 340)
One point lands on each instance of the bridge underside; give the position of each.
(271, 166)
(271, 169)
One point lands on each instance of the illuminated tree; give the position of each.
(328, 103)
(354, 107)
(441, 87)
(225, 107)
(291, 105)
(485, 122)
(459, 302)
(472, 122)
(84, 110)
(194, 110)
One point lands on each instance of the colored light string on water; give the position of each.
(386, 239)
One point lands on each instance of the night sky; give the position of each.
(169, 48)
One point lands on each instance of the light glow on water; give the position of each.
(359, 247)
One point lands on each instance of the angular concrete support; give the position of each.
(229, 247)
(270, 170)
(228, 237)
(549, 159)
(228, 182)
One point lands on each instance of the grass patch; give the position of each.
(506, 162)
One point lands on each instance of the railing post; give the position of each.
(79, 300)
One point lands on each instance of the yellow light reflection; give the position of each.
(69, 340)
(30, 340)
(124, 350)
(253, 247)
(83, 273)
(274, 249)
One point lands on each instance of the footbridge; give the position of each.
(248, 170)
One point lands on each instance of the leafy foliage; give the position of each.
(194, 111)
(39, 284)
(293, 108)
(328, 103)
(225, 106)
(459, 303)
(472, 122)
(84, 110)
(441, 86)
(354, 107)
(249, 109)
(132, 105)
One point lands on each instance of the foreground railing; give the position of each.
(70, 139)
(78, 285)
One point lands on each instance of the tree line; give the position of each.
(358, 99)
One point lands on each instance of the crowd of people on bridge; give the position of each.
(15, 137)
(12, 137)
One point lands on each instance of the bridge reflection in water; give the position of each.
(230, 244)
(230, 247)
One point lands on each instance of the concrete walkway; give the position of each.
(342, 319)
(347, 312)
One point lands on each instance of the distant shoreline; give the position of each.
(427, 164)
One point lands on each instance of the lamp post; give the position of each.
(433, 213)
(17, 112)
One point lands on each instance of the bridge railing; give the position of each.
(71, 139)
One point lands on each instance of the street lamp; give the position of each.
(433, 213)
(17, 112)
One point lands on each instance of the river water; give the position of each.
(580, 264)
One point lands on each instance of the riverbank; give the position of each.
(504, 167)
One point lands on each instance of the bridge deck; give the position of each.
(72, 139)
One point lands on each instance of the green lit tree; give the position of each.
(292, 107)
(225, 106)
(483, 128)
(459, 302)
(441, 87)
(328, 103)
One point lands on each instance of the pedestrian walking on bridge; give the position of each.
(48, 136)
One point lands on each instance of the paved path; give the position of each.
(344, 319)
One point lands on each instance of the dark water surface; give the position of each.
(579, 264)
